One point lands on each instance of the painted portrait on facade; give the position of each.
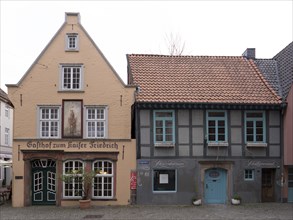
(72, 118)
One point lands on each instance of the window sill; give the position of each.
(103, 199)
(251, 144)
(165, 145)
(218, 144)
(162, 192)
(93, 199)
(71, 91)
(72, 50)
(70, 199)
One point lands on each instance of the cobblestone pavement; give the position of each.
(263, 211)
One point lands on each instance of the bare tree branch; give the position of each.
(174, 45)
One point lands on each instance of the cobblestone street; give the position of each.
(263, 211)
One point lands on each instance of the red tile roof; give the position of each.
(199, 79)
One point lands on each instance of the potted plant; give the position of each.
(84, 179)
(236, 200)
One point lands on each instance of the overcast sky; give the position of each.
(118, 28)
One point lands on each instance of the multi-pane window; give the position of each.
(255, 126)
(103, 181)
(96, 122)
(6, 136)
(216, 126)
(164, 127)
(164, 180)
(248, 174)
(49, 122)
(73, 187)
(72, 41)
(71, 77)
(6, 111)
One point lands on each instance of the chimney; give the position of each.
(249, 53)
(72, 17)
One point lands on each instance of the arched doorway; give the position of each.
(43, 182)
(215, 183)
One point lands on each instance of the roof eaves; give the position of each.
(4, 98)
(208, 105)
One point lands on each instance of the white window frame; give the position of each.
(6, 136)
(96, 120)
(7, 111)
(101, 173)
(70, 79)
(50, 120)
(70, 36)
(74, 167)
(249, 174)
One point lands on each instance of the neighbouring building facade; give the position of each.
(207, 127)
(6, 132)
(278, 71)
(72, 112)
(285, 70)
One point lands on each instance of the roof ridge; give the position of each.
(184, 56)
(260, 75)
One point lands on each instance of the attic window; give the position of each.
(72, 42)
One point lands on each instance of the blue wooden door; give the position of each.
(215, 186)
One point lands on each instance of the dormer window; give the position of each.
(72, 42)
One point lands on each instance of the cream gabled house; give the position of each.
(72, 111)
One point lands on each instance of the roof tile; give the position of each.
(199, 79)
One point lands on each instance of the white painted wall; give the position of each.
(6, 121)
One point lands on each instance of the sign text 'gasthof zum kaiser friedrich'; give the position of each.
(79, 145)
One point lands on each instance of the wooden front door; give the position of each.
(268, 185)
(43, 182)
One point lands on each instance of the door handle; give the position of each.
(207, 186)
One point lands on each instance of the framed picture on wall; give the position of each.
(72, 119)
